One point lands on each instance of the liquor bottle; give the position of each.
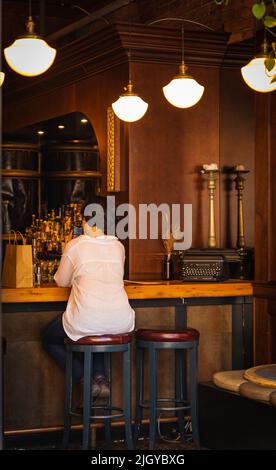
(38, 276)
(33, 227)
(77, 229)
(36, 262)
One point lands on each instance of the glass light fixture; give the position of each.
(129, 106)
(255, 73)
(2, 78)
(183, 91)
(30, 55)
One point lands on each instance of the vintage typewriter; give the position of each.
(212, 265)
(190, 267)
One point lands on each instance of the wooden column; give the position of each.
(265, 223)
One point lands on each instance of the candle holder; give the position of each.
(211, 171)
(240, 171)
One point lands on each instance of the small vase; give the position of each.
(167, 268)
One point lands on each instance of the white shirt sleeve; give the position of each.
(64, 274)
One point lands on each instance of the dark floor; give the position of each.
(169, 440)
(143, 444)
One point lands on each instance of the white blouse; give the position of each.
(98, 303)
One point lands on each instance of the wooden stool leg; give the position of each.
(153, 395)
(86, 398)
(127, 396)
(68, 398)
(139, 391)
(194, 393)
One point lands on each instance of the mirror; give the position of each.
(46, 166)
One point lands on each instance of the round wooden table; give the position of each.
(264, 375)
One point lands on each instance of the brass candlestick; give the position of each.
(211, 171)
(239, 170)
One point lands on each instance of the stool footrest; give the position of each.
(109, 416)
(185, 404)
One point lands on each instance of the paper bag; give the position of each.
(18, 265)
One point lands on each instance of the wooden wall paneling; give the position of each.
(237, 126)
(265, 223)
(93, 97)
(271, 309)
(261, 332)
(33, 386)
(264, 331)
(262, 186)
(32, 109)
(167, 148)
(272, 235)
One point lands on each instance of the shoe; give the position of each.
(100, 386)
(95, 389)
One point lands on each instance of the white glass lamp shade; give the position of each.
(2, 78)
(129, 106)
(257, 77)
(183, 91)
(30, 56)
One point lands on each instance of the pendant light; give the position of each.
(2, 78)
(183, 91)
(30, 55)
(129, 106)
(255, 73)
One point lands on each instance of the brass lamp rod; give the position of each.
(183, 20)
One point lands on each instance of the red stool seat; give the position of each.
(189, 334)
(99, 340)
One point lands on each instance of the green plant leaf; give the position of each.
(269, 63)
(258, 10)
(273, 79)
(273, 45)
(270, 21)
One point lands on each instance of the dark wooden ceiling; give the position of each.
(53, 15)
(64, 21)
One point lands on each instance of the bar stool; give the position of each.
(180, 341)
(90, 345)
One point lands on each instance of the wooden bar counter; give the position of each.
(34, 384)
(136, 290)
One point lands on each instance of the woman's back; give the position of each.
(98, 303)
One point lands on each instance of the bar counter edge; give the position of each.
(136, 290)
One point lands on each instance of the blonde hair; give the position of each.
(92, 231)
